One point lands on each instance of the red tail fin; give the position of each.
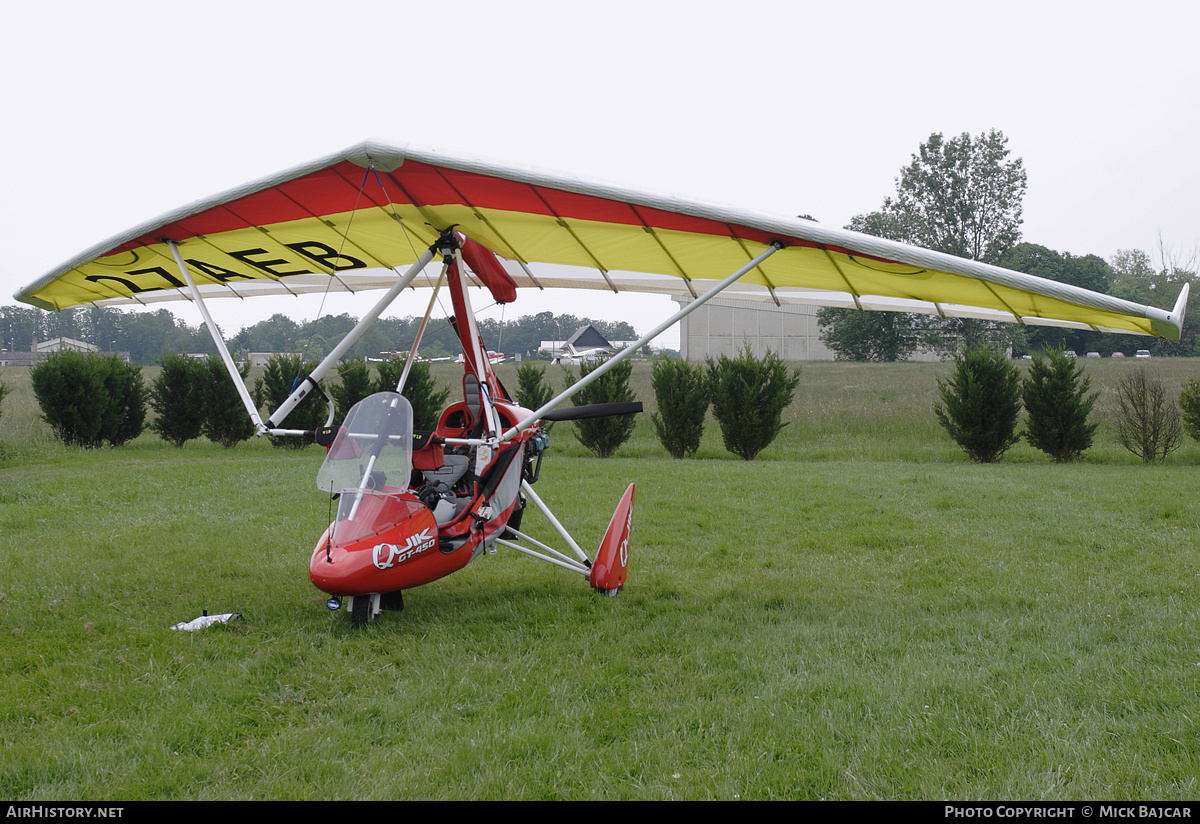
(612, 560)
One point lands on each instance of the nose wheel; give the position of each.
(363, 608)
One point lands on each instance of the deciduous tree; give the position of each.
(1147, 419)
(869, 336)
(1138, 277)
(961, 196)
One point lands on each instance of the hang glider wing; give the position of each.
(348, 221)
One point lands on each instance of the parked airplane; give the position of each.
(575, 356)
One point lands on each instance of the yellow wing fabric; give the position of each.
(345, 222)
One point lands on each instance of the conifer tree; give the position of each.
(749, 395)
(980, 403)
(604, 436)
(354, 385)
(532, 391)
(681, 392)
(420, 388)
(225, 421)
(1058, 405)
(90, 399)
(1189, 407)
(282, 374)
(176, 396)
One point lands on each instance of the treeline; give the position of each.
(148, 336)
(314, 339)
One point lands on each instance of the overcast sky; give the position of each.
(117, 112)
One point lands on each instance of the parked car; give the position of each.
(1118, 354)
(1093, 354)
(1142, 353)
(1070, 353)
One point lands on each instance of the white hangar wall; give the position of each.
(721, 327)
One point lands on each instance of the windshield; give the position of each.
(373, 448)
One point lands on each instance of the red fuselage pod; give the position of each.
(389, 543)
(612, 560)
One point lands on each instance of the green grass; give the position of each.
(861, 613)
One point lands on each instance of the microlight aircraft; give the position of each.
(416, 506)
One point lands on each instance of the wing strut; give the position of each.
(230, 366)
(628, 351)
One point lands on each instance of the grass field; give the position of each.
(860, 613)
